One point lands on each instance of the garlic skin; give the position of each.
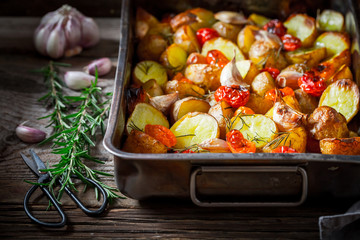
(230, 75)
(65, 32)
(29, 135)
(103, 66)
(78, 80)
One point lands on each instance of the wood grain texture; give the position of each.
(125, 219)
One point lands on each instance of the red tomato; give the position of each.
(284, 149)
(312, 84)
(275, 26)
(215, 57)
(235, 96)
(161, 133)
(238, 144)
(286, 91)
(205, 34)
(290, 43)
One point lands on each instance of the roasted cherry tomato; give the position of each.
(275, 26)
(286, 91)
(236, 96)
(274, 72)
(284, 149)
(312, 84)
(205, 34)
(161, 133)
(290, 43)
(215, 57)
(244, 110)
(238, 144)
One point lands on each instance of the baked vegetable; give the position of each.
(246, 38)
(186, 105)
(227, 47)
(296, 139)
(204, 75)
(343, 146)
(140, 142)
(334, 42)
(146, 70)
(330, 20)
(222, 111)
(309, 56)
(303, 27)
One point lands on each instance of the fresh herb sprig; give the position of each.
(75, 133)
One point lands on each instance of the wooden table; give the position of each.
(127, 218)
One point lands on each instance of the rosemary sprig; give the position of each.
(75, 133)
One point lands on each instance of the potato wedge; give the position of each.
(310, 56)
(140, 142)
(204, 75)
(334, 42)
(295, 139)
(196, 17)
(342, 95)
(329, 67)
(330, 21)
(194, 128)
(146, 70)
(227, 30)
(259, 104)
(265, 54)
(343, 72)
(227, 47)
(343, 146)
(262, 83)
(326, 122)
(289, 100)
(258, 19)
(256, 128)
(221, 111)
(303, 27)
(184, 89)
(185, 38)
(144, 114)
(306, 102)
(174, 59)
(151, 47)
(186, 105)
(246, 38)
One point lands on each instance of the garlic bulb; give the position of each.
(65, 32)
(29, 135)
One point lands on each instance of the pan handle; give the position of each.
(247, 169)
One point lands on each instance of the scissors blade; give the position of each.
(31, 164)
(40, 164)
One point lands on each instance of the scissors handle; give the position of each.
(82, 206)
(52, 200)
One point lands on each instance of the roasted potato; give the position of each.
(343, 146)
(186, 105)
(231, 17)
(343, 72)
(303, 27)
(342, 95)
(306, 102)
(146, 70)
(174, 59)
(185, 38)
(204, 75)
(196, 18)
(196, 58)
(330, 21)
(227, 47)
(184, 89)
(151, 47)
(246, 38)
(259, 104)
(262, 83)
(194, 128)
(140, 142)
(144, 114)
(266, 54)
(227, 30)
(256, 128)
(326, 122)
(221, 111)
(296, 139)
(144, 21)
(309, 56)
(334, 42)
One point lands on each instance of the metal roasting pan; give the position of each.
(220, 179)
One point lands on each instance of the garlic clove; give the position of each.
(77, 80)
(72, 31)
(215, 145)
(55, 45)
(90, 32)
(164, 102)
(231, 17)
(103, 66)
(40, 38)
(30, 135)
(231, 76)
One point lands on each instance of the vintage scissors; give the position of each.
(36, 165)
